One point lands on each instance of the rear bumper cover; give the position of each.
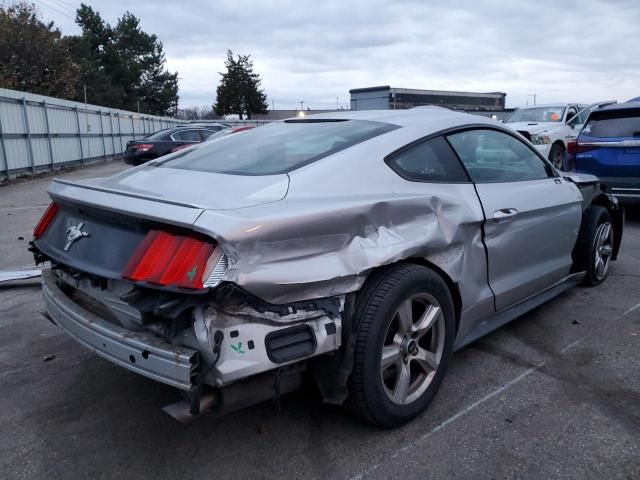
(140, 352)
(623, 192)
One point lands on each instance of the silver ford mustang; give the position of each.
(359, 248)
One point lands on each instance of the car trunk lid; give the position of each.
(91, 240)
(609, 146)
(199, 190)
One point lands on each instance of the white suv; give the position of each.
(550, 127)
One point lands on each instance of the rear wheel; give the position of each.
(595, 245)
(556, 155)
(404, 341)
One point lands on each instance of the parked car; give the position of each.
(609, 146)
(361, 247)
(229, 131)
(167, 140)
(549, 127)
(217, 136)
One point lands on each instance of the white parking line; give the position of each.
(482, 400)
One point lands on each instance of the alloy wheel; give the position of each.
(413, 348)
(603, 250)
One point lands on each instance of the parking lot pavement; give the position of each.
(554, 394)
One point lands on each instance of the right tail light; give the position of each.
(165, 259)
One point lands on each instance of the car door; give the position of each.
(532, 216)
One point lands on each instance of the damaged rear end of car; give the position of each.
(133, 279)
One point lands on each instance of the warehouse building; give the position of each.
(388, 98)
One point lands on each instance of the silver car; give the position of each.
(359, 248)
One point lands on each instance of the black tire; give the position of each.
(556, 155)
(376, 310)
(586, 258)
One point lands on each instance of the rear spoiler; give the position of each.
(158, 210)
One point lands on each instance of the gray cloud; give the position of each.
(316, 51)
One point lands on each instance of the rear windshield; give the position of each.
(622, 125)
(160, 134)
(537, 114)
(276, 148)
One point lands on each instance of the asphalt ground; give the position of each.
(554, 394)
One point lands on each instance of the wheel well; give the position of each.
(453, 286)
(617, 218)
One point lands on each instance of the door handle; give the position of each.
(504, 214)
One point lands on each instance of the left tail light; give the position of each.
(143, 147)
(46, 220)
(172, 260)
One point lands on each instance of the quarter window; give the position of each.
(491, 156)
(187, 136)
(429, 161)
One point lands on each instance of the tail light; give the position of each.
(577, 147)
(143, 147)
(46, 220)
(172, 260)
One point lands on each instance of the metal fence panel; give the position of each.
(39, 133)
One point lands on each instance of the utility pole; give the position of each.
(301, 105)
(273, 105)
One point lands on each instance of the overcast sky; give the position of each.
(316, 51)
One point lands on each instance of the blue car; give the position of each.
(609, 147)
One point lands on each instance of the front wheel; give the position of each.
(404, 341)
(556, 156)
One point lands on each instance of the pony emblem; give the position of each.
(74, 233)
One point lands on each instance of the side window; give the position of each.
(187, 136)
(495, 157)
(429, 161)
(571, 113)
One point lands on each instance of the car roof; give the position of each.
(620, 106)
(548, 105)
(192, 127)
(416, 115)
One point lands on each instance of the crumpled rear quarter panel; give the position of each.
(330, 232)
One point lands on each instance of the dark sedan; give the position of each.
(166, 141)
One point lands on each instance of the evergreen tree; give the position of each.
(122, 66)
(33, 57)
(239, 89)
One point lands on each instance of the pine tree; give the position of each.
(239, 89)
(122, 66)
